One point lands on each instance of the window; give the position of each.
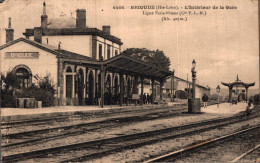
(69, 69)
(24, 76)
(116, 52)
(100, 52)
(108, 52)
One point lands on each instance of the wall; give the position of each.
(200, 91)
(147, 89)
(182, 84)
(46, 63)
(105, 43)
(80, 44)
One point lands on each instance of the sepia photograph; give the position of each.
(117, 81)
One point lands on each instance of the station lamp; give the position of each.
(193, 64)
(194, 103)
(193, 72)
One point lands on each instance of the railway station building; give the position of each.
(84, 63)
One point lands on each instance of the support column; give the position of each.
(121, 89)
(64, 86)
(85, 83)
(135, 85)
(173, 87)
(246, 94)
(152, 91)
(61, 79)
(193, 87)
(102, 85)
(171, 90)
(161, 92)
(230, 94)
(96, 88)
(142, 90)
(76, 93)
(63, 92)
(73, 89)
(188, 90)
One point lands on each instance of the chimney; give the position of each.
(106, 29)
(44, 17)
(38, 34)
(81, 19)
(9, 32)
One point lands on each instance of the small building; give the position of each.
(181, 88)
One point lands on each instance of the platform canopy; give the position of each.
(237, 83)
(130, 65)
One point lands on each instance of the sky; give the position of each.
(223, 43)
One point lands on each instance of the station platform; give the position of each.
(226, 108)
(13, 114)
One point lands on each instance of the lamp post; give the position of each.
(59, 73)
(194, 103)
(172, 86)
(193, 71)
(218, 90)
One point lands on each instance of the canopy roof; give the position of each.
(238, 83)
(129, 65)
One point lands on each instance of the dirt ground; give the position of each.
(149, 151)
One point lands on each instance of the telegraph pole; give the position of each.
(59, 74)
(188, 86)
(259, 49)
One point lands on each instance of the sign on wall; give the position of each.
(22, 55)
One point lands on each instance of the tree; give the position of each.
(9, 83)
(46, 91)
(43, 91)
(155, 57)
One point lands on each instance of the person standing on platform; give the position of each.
(144, 98)
(205, 99)
(148, 98)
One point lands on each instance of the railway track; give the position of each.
(224, 146)
(92, 149)
(255, 149)
(41, 135)
(16, 139)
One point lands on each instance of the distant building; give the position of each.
(183, 88)
(180, 88)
